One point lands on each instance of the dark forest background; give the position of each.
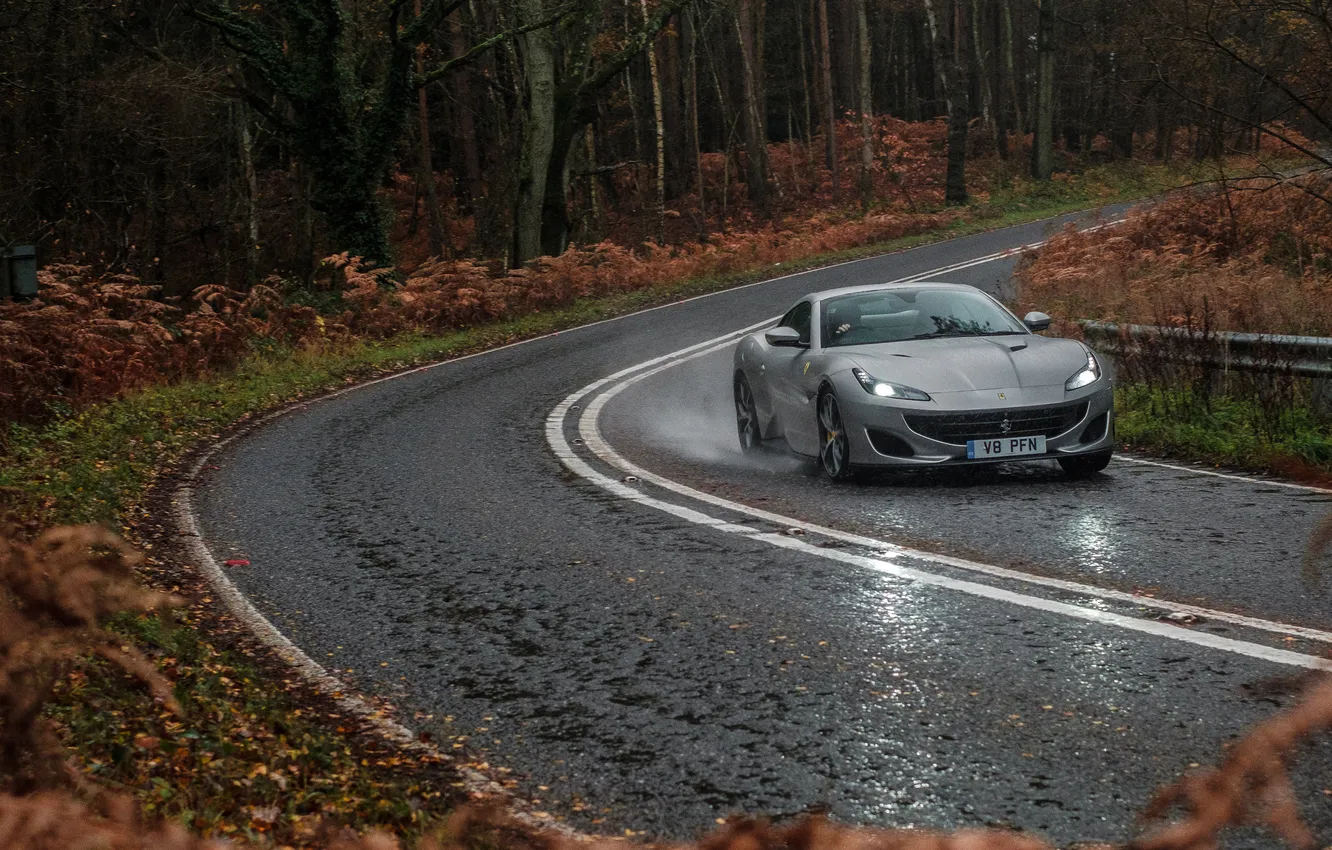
(207, 141)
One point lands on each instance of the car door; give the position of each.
(789, 374)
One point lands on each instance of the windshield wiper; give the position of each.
(942, 334)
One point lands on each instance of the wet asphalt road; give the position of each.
(636, 671)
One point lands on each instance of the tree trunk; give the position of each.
(1007, 41)
(756, 135)
(690, 38)
(804, 84)
(728, 135)
(466, 124)
(659, 204)
(538, 136)
(981, 66)
(829, 119)
(670, 59)
(596, 230)
(948, 58)
(1165, 129)
(426, 176)
(1042, 149)
(305, 226)
(573, 107)
(251, 198)
(866, 106)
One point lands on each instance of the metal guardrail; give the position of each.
(1301, 356)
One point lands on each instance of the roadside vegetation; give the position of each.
(1252, 257)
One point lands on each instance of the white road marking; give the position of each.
(1247, 479)
(592, 437)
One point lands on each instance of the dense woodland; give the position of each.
(212, 141)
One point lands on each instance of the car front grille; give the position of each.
(957, 428)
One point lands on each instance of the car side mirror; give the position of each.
(784, 338)
(1036, 322)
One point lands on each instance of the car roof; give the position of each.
(886, 287)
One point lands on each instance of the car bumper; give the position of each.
(906, 435)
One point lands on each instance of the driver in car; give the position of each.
(843, 318)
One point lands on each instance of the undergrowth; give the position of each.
(1254, 258)
(1221, 430)
(244, 757)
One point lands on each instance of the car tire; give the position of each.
(1082, 466)
(746, 416)
(835, 445)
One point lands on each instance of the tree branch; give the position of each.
(636, 45)
(258, 48)
(477, 50)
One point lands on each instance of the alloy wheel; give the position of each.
(746, 416)
(835, 453)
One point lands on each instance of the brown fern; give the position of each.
(56, 593)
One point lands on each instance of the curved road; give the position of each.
(583, 583)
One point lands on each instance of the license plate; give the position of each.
(1005, 447)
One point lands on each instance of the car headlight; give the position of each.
(883, 389)
(1088, 374)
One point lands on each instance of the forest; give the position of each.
(191, 142)
(238, 207)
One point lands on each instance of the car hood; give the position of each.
(960, 364)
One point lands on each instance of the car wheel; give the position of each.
(746, 416)
(1081, 466)
(835, 451)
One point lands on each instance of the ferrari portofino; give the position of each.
(920, 375)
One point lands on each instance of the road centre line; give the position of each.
(592, 437)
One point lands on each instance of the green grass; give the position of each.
(1223, 431)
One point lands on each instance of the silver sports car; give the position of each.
(918, 375)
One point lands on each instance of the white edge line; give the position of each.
(590, 431)
(314, 673)
(1230, 476)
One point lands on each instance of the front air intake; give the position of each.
(1095, 430)
(889, 444)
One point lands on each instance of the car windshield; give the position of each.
(902, 314)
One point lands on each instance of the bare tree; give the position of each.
(754, 121)
(829, 110)
(948, 60)
(866, 107)
(1042, 148)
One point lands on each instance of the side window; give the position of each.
(799, 318)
